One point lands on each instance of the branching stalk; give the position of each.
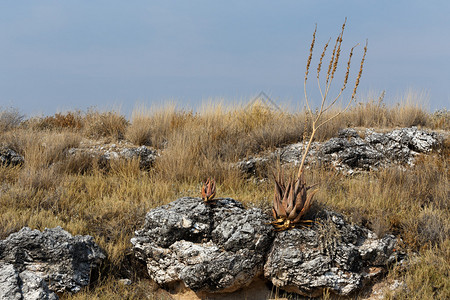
(324, 106)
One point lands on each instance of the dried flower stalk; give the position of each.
(317, 122)
(291, 200)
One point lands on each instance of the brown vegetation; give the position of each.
(51, 189)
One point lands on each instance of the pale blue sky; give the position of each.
(62, 55)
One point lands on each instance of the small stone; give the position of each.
(9, 157)
(125, 281)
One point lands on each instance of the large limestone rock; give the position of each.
(331, 255)
(350, 153)
(220, 248)
(35, 264)
(217, 247)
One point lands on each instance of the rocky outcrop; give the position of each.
(9, 157)
(216, 247)
(222, 247)
(36, 265)
(331, 255)
(22, 285)
(107, 152)
(350, 153)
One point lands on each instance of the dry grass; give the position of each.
(408, 111)
(53, 189)
(427, 276)
(92, 123)
(10, 118)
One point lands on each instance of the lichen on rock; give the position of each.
(211, 248)
(332, 255)
(36, 265)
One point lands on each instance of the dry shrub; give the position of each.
(16, 139)
(140, 130)
(254, 117)
(69, 120)
(104, 124)
(128, 169)
(374, 112)
(40, 148)
(10, 118)
(396, 200)
(426, 182)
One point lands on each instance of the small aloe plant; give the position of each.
(209, 190)
(291, 201)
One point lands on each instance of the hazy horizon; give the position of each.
(58, 56)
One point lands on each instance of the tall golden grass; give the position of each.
(50, 189)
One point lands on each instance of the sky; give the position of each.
(57, 56)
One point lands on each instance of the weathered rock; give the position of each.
(146, 155)
(252, 165)
(290, 154)
(9, 157)
(25, 285)
(331, 255)
(217, 247)
(36, 264)
(351, 153)
(106, 153)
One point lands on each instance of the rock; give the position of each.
(290, 154)
(146, 155)
(217, 247)
(37, 264)
(9, 157)
(350, 153)
(125, 281)
(331, 255)
(253, 165)
(106, 153)
(220, 248)
(25, 285)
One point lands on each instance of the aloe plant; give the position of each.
(291, 201)
(209, 190)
